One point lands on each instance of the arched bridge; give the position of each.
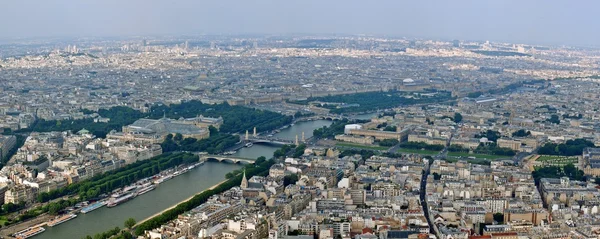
(226, 158)
(270, 140)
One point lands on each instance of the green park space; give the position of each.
(556, 160)
(417, 151)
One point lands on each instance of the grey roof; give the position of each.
(164, 126)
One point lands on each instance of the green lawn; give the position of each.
(477, 156)
(3, 220)
(417, 151)
(361, 146)
(555, 160)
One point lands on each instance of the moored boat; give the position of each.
(146, 189)
(61, 219)
(116, 201)
(29, 232)
(93, 207)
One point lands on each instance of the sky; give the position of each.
(516, 21)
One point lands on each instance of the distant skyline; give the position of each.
(530, 22)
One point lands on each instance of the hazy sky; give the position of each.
(570, 22)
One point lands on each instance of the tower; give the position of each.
(254, 134)
(296, 142)
(303, 139)
(244, 183)
(246, 135)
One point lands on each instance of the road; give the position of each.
(423, 190)
(422, 193)
(8, 231)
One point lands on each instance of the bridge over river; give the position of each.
(226, 158)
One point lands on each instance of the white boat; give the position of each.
(93, 207)
(146, 189)
(61, 219)
(29, 232)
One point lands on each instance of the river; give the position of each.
(165, 195)
(304, 126)
(170, 192)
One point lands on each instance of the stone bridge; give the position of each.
(226, 158)
(270, 140)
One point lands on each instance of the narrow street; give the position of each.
(423, 192)
(423, 189)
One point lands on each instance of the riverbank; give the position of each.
(7, 232)
(261, 169)
(175, 205)
(165, 195)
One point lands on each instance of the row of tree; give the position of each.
(388, 142)
(284, 151)
(380, 100)
(216, 143)
(570, 148)
(119, 117)
(568, 170)
(115, 233)
(235, 118)
(155, 222)
(421, 145)
(105, 183)
(337, 127)
(490, 148)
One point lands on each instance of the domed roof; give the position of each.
(408, 80)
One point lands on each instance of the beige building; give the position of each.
(353, 139)
(7, 143)
(19, 193)
(400, 136)
(534, 216)
(508, 143)
(426, 139)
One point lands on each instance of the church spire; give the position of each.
(244, 184)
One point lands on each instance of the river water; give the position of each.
(170, 192)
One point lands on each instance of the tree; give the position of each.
(474, 94)
(388, 142)
(554, 119)
(499, 217)
(54, 208)
(178, 137)
(129, 223)
(290, 179)
(457, 118)
(260, 160)
(299, 151)
(436, 176)
(521, 133)
(390, 128)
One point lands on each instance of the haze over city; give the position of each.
(548, 22)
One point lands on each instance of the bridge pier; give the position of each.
(222, 158)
